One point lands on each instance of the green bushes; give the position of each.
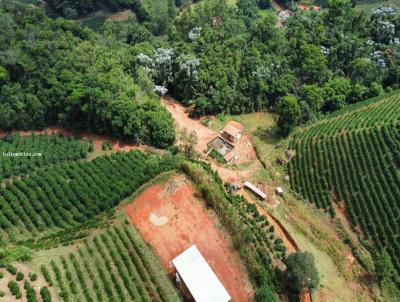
(11, 269)
(32, 277)
(2, 293)
(116, 263)
(30, 292)
(46, 275)
(106, 146)
(15, 290)
(45, 294)
(20, 276)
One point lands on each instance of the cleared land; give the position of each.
(171, 219)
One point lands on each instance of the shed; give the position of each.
(199, 278)
(279, 190)
(233, 131)
(255, 190)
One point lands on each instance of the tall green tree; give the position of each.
(301, 273)
(289, 113)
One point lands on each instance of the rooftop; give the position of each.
(233, 128)
(199, 278)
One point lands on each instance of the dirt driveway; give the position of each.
(180, 115)
(171, 219)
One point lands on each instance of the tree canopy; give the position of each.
(55, 72)
(301, 273)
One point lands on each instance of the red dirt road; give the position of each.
(170, 218)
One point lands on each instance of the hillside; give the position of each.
(353, 157)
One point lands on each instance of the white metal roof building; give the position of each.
(199, 278)
(256, 190)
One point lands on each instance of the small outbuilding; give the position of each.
(198, 277)
(233, 131)
(279, 191)
(255, 190)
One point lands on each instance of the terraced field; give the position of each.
(354, 156)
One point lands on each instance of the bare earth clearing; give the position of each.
(171, 219)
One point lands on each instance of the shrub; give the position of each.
(33, 277)
(14, 288)
(20, 276)
(46, 275)
(264, 293)
(45, 294)
(11, 269)
(2, 293)
(1, 275)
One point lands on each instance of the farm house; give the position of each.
(232, 132)
(194, 273)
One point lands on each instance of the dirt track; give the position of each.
(170, 218)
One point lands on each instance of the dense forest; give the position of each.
(214, 57)
(242, 61)
(52, 71)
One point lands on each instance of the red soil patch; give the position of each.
(180, 115)
(308, 7)
(187, 224)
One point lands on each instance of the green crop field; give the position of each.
(43, 150)
(354, 156)
(67, 194)
(112, 265)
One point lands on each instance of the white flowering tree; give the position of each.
(383, 22)
(159, 67)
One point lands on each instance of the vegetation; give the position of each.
(56, 81)
(234, 60)
(301, 274)
(353, 156)
(68, 194)
(115, 263)
(15, 290)
(41, 150)
(20, 276)
(251, 233)
(45, 294)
